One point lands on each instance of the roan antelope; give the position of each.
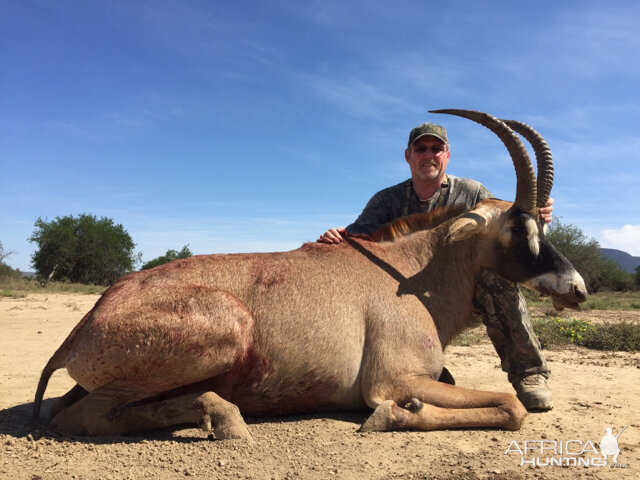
(362, 324)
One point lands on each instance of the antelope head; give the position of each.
(521, 252)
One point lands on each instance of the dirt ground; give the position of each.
(592, 391)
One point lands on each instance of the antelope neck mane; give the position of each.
(402, 227)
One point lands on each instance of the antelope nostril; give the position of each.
(579, 293)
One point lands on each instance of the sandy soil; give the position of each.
(592, 390)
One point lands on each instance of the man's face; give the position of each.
(428, 158)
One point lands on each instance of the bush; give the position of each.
(5, 270)
(170, 256)
(556, 332)
(82, 250)
(614, 336)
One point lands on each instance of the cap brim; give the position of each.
(443, 140)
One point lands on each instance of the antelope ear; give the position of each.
(465, 226)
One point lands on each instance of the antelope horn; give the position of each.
(525, 176)
(543, 158)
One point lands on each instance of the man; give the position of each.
(498, 301)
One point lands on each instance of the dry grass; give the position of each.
(20, 287)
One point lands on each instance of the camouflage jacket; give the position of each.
(401, 200)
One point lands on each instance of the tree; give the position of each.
(584, 253)
(82, 249)
(168, 257)
(636, 278)
(6, 270)
(3, 253)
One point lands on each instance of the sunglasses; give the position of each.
(435, 149)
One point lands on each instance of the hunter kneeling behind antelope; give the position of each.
(208, 338)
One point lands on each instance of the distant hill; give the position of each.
(627, 262)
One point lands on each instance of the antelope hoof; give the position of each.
(234, 432)
(205, 423)
(381, 419)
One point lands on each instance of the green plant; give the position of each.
(623, 336)
(7, 271)
(82, 250)
(554, 332)
(12, 294)
(170, 256)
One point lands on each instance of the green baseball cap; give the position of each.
(432, 129)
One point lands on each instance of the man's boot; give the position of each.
(534, 393)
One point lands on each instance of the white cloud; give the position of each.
(626, 238)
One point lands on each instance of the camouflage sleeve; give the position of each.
(375, 214)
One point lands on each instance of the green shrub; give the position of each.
(170, 256)
(556, 332)
(623, 337)
(7, 272)
(82, 249)
(12, 294)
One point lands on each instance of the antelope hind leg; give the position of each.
(72, 396)
(207, 409)
(105, 412)
(92, 413)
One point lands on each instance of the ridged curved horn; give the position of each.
(525, 176)
(543, 158)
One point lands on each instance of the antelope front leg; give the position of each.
(433, 405)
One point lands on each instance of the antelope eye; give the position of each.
(518, 230)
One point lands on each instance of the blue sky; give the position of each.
(255, 126)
